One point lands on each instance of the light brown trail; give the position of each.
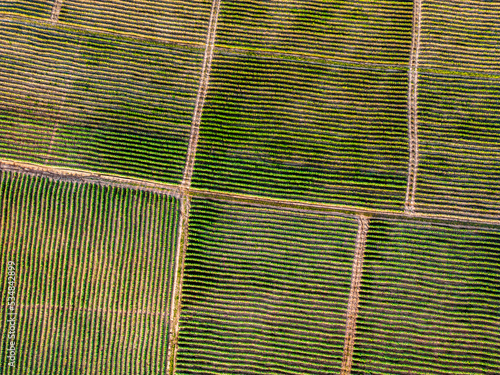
(202, 92)
(353, 303)
(412, 109)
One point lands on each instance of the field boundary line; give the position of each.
(412, 109)
(80, 176)
(177, 191)
(56, 9)
(353, 302)
(175, 305)
(202, 92)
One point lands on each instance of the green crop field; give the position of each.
(265, 291)
(361, 30)
(34, 8)
(459, 133)
(179, 20)
(250, 187)
(338, 132)
(97, 103)
(94, 268)
(430, 300)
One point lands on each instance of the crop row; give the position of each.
(304, 131)
(264, 290)
(459, 145)
(179, 20)
(94, 275)
(95, 102)
(368, 31)
(429, 300)
(36, 8)
(460, 36)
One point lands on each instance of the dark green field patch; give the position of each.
(305, 131)
(429, 302)
(265, 291)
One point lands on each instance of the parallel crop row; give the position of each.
(37, 8)
(94, 273)
(180, 20)
(459, 136)
(303, 130)
(430, 301)
(362, 30)
(97, 103)
(265, 291)
(461, 35)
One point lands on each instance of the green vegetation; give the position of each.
(93, 102)
(459, 137)
(462, 36)
(362, 30)
(180, 20)
(37, 8)
(94, 269)
(265, 291)
(430, 301)
(303, 130)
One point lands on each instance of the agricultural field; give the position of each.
(95, 272)
(92, 102)
(306, 131)
(176, 20)
(31, 8)
(362, 30)
(459, 141)
(461, 36)
(265, 291)
(430, 300)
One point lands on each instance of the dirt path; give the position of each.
(202, 92)
(56, 9)
(412, 110)
(352, 305)
(73, 175)
(175, 306)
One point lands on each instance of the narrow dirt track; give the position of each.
(412, 109)
(202, 92)
(352, 305)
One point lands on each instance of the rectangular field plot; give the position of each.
(459, 146)
(180, 20)
(306, 131)
(36, 8)
(265, 290)
(94, 271)
(460, 35)
(91, 102)
(361, 30)
(429, 301)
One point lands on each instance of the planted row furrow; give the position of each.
(338, 132)
(430, 299)
(94, 267)
(264, 289)
(93, 102)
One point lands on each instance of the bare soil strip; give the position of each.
(56, 9)
(352, 304)
(73, 175)
(412, 109)
(175, 305)
(202, 92)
